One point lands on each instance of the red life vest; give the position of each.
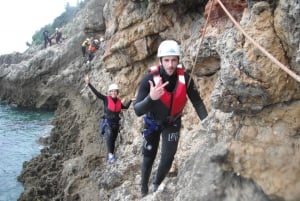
(177, 99)
(112, 106)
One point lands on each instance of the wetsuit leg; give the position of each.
(111, 136)
(83, 50)
(50, 42)
(45, 43)
(115, 132)
(170, 139)
(108, 135)
(150, 146)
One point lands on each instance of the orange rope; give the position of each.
(195, 61)
(271, 57)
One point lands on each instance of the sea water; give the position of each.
(20, 130)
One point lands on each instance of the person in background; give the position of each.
(110, 123)
(57, 36)
(84, 46)
(46, 38)
(161, 98)
(93, 47)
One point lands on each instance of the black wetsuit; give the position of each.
(112, 129)
(153, 109)
(46, 38)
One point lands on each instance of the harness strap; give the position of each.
(107, 122)
(152, 126)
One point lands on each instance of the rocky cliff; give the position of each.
(251, 149)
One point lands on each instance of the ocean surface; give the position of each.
(19, 131)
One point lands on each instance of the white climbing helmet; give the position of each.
(101, 39)
(168, 48)
(113, 87)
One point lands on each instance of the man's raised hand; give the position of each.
(158, 90)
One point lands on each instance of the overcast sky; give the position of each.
(20, 19)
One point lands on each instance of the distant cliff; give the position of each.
(251, 150)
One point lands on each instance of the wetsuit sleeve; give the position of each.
(126, 106)
(143, 102)
(97, 93)
(195, 98)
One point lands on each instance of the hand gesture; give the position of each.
(205, 123)
(158, 90)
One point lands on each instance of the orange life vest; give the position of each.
(177, 99)
(112, 106)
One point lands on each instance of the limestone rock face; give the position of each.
(287, 28)
(262, 82)
(250, 149)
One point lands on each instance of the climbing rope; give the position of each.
(271, 57)
(201, 39)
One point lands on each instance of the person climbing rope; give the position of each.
(110, 123)
(161, 98)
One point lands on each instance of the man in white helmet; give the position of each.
(111, 118)
(161, 98)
